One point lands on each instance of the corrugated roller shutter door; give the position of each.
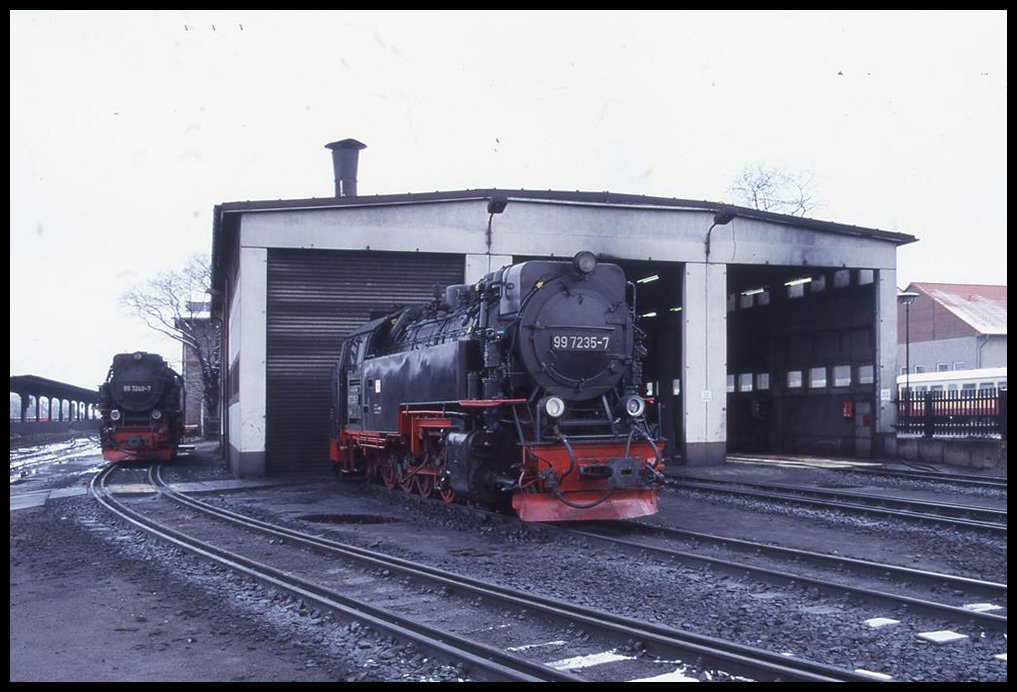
(316, 298)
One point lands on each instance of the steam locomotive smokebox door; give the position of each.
(137, 383)
(576, 331)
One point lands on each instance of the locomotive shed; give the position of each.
(766, 333)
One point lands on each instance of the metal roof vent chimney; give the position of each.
(345, 155)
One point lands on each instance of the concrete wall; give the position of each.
(246, 321)
(993, 352)
(970, 453)
(532, 228)
(970, 352)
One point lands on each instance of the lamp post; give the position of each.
(721, 218)
(907, 297)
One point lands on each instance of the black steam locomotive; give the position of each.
(142, 407)
(520, 390)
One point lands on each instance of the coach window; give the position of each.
(730, 383)
(763, 381)
(817, 378)
(794, 379)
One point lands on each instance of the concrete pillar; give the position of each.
(886, 357)
(704, 367)
(248, 322)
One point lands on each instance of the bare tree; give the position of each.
(176, 305)
(774, 189)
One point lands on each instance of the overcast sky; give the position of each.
(128, 127)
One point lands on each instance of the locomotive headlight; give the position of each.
(635, 405)
(114, 414)
(585, 262)
(554, 406)
(156, 414)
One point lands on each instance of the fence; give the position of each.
(975, 413)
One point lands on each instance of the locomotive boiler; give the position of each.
(520, 391)
(142, 407)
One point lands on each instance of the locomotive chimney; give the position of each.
(345, 154)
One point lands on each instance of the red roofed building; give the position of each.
(953, 327)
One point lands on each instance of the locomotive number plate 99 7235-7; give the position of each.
(580, 342)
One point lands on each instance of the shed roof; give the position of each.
(577, 197)
(981, 306)
(41, 386)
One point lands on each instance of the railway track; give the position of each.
(24, 462)
(482, 662)
(959, 479)
(965, 479)
(787, 566)
(962, 516)
(607, 630)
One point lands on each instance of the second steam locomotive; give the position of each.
(518, 391)
(142, 407)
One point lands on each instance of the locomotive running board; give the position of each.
(621, 504)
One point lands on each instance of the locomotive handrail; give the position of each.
(491, 402)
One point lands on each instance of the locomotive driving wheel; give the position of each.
(407, 479)
(448, 495)
(388, 472)
(423, 483)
